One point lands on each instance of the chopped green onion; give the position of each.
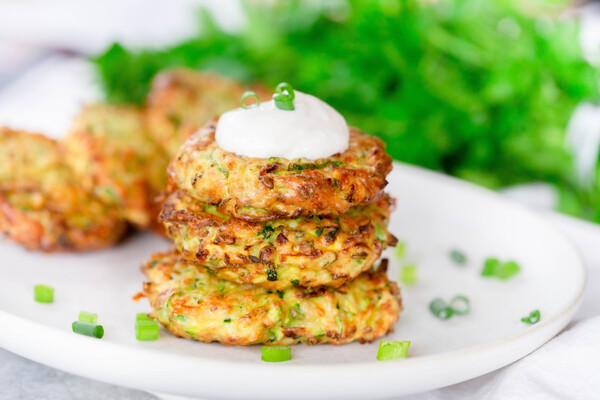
(85, 328)
(458, 257)
(408, 274)
(250, 94)
(460, 305)
(227, 320)
(275, 353)
(532, 318)
(493, 267)
(390, 350)
(284, 97)
(43, 294)
(507, 270)
(143, 317)
(400, 249)
(489, 267)
(440, 309)
(146, 330)
(91, 318)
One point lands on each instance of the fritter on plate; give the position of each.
(260, 189)
(111, 152)
(307, 251)
(193, 303)
(41, 203)
(183, 100)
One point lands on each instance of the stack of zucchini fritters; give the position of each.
(269, 251)
(275, 251)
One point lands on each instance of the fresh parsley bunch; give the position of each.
(480, 89)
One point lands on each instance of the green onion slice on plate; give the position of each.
(460, 305)
(408, 274)
(501, 270)
(458, 257)
(146, 329)
(43, 294)
(440, 309)
(400, 250)
(489, 267)
(85, 328)
(90, 318)
(391, 350)
(275, 353)
(532, 318)
(507, 270)
(143, 317)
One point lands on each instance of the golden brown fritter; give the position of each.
(195, 304)
(41, 204)
(183, 100)
(113, 155)
(306, 252)
(258, 189)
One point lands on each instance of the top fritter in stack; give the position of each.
(275, 251)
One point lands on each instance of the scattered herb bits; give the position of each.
(275, 353)
(493, 267)
(400, 250)
(459, 305)
(489, 267)
(43, 294)
(532, 318)
(408, 274)
(91, 318)
(145, 328)
(391, 350)
(85, 328)
(507, 270)
(458, 257)
(440, 309)
(142, 317)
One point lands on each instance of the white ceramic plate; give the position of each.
(434, 215)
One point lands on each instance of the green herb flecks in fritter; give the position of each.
(195, 304)
(306, 251)
(259, 189)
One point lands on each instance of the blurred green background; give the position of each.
(480, 89)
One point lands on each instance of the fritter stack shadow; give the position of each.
(275, 251)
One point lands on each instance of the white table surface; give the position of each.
(47, 97)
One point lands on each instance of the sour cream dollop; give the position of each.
(312, 130)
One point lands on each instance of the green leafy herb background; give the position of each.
(480, 89)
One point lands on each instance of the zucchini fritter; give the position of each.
(193, 303)
(110, 150)
(182, 100)
(258, 189)
(41, 204)
(307, 251)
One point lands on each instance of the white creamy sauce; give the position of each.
(312, 130)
